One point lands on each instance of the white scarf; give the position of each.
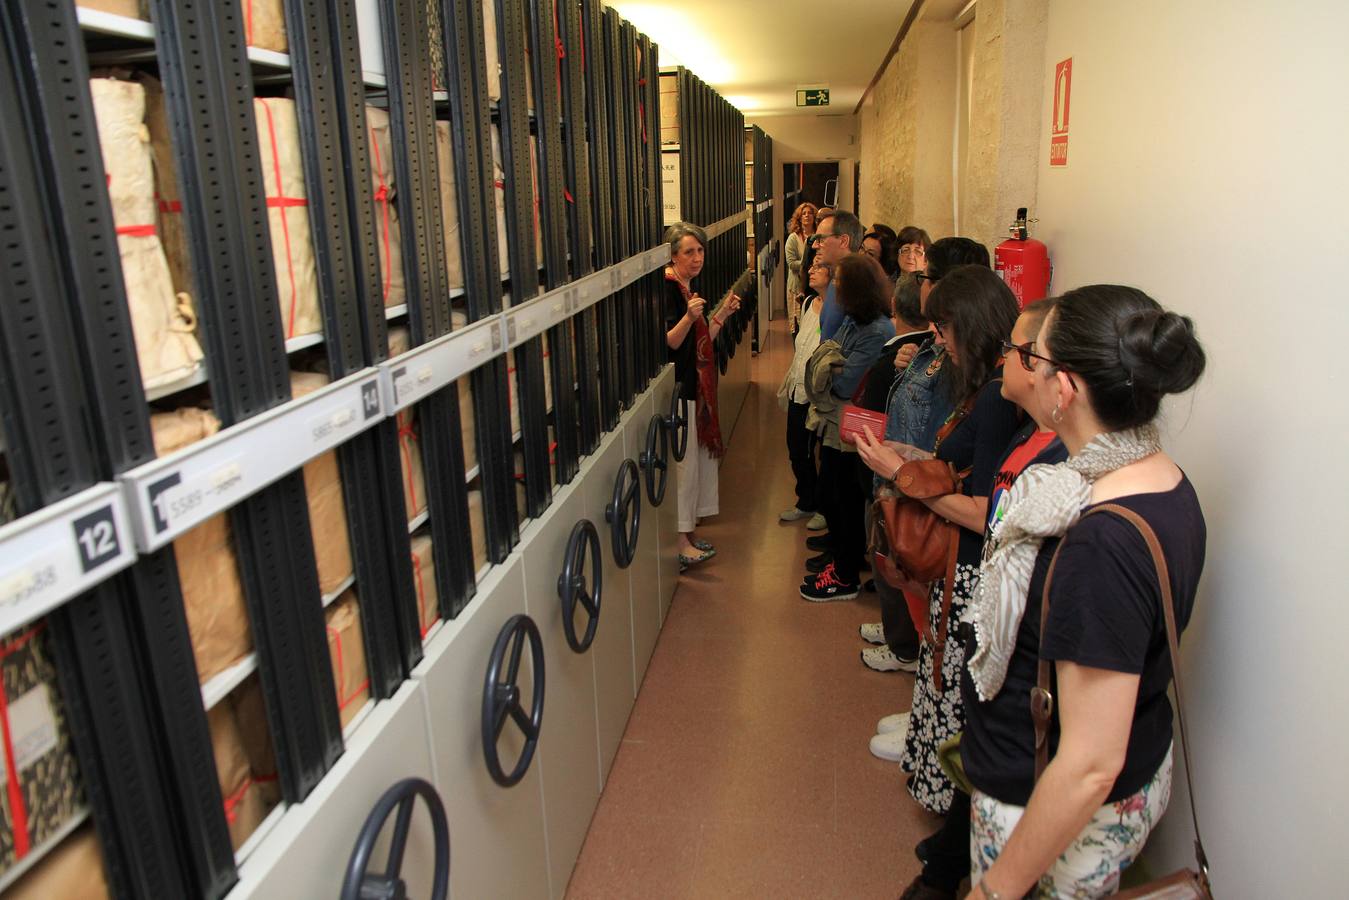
(1044, 502)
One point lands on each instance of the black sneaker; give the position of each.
(818, 563)
(827, 586)
(818, 542)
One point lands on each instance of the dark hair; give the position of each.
(889, 258)
(845, 223)
(912, 234)
(1129, 351)
(1038, 310)
(980, 309)
(884, 229)
(950, 252)
(862, 290)
(907, 306)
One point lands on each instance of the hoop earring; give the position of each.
(1057, 415)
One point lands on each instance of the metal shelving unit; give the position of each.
(117, 626)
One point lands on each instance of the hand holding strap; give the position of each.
(1042, 701)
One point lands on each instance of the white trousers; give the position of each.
(696, 475)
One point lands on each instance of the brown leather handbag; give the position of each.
(1186, 884)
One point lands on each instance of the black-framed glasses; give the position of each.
(923, 276)
(1028, 357)
(941, 328)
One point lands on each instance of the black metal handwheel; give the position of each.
(501, 697)
(624, 513)
(655, 459)
(678, 427)
(360, 883)
(571, 584)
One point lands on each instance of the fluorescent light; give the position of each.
(682, 42)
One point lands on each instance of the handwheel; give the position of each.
(501, 698)
(656, 464)
(361, 884)
(678, 428)
(624, 513)
(571, 584)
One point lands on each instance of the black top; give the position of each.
(882, 373)
(1104, 612)
(979, 441)
(685, 356)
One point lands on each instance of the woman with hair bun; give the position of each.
(1104, 360)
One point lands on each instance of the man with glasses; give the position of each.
(836, 235)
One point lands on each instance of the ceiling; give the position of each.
(757, 54)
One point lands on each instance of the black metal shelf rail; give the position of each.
(330, 104)
(514, 22)
(712, 167)
(653, 205)
(602, 352)
(207, 87)
(555, 117)
(584, 339)
(125, 666)
(405, 25)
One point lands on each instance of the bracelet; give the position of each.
(895, 474)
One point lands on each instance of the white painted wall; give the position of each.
(1206, 164)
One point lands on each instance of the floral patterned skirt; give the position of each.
(1092, 864)
(935, 717)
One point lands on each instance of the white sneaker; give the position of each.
(896, 722)
(883, 660)
(872, 633)
(817, 523)
(889, 746)
(794, 514)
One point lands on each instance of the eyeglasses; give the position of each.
(941, 328)
(1028, 357)
(923, 276)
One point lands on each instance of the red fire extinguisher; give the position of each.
(1023, 262)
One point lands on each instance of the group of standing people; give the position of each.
(1043, 416)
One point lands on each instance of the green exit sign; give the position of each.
(813, 97)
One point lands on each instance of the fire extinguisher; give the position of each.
(1023, 262)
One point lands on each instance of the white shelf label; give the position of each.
(424, 370)
(172, 495)
(61, 551)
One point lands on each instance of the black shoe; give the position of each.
(920, 890)
(827, 586)
(818, 542)
(870, 585)
(818, 563)
(923, 850)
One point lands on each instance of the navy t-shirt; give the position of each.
(978, 443)
(685, 356)
(1105, 612)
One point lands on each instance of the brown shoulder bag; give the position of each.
(1186, 884)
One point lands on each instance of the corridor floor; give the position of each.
(744, 770)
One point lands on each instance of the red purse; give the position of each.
(855, 418)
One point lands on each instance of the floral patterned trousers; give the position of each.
(1092, 864)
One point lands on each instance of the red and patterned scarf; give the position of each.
(709, 426)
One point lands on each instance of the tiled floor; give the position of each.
(744, 771)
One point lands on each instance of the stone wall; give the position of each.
(907, 134)
(908, 123)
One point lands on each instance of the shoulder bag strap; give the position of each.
(1041, 699)
(944, 617)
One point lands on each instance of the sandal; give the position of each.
(705, 546)
(686, 561)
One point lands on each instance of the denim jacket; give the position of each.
(861, 345)
(918, 404)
